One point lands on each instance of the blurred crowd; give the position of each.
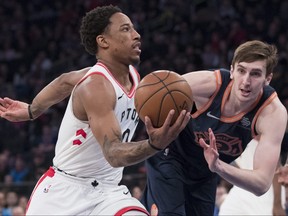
(40, 40)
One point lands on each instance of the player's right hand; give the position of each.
(13, 110)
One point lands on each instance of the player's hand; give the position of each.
(210, 151)
(13, 110)
(282, 173)
(163, 136)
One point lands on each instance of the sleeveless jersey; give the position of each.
(232, 134)
(77, 151)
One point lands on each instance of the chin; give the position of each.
(135, 61)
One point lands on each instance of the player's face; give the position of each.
(123, 39)
(249, 79)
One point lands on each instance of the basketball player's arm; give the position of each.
(54, 92)
(202, 84)
(271, 125)
(97, 97)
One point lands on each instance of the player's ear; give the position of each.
(101, 41)
(268, 79)
(231, 71)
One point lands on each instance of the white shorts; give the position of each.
(57, 193)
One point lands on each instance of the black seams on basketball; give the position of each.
(159, 92)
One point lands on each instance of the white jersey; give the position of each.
(77, 151)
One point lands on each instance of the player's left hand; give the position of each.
(210, 151)
(13, 110)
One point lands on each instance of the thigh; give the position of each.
(200, 197)
(118, 202)
(164, 191)
(53, 196)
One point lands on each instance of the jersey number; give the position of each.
(125, 135)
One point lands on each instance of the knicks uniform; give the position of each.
(182, 166)
(82, 182)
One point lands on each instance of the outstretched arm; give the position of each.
(271, 125)
(54, 92)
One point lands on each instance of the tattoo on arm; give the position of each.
(107, 144)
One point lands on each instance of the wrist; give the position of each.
(31, 118)
(153, 146)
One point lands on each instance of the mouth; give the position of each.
(137, 47)
(245, 92)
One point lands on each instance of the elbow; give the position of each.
(261, 189)
(115, 162)
(64, 82)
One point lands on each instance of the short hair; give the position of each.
(255, 50)
(95, 23)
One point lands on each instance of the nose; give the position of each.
(246, 79)
(136, 34)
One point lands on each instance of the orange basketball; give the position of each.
(159, 92)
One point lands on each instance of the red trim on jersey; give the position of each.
(99, 73)
(129, 94)
(241, 114)
(132, 90)
(130, 208)
(50, 173)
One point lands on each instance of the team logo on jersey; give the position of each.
(166, 151)
(245, 121)
(46, 189)
(226, 144)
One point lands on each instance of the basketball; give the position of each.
(158, 93)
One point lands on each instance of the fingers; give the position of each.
(168, 120)
(212, 139)
(203, 144)
(180, 122)
(183, 119)
(5, 102)
(148, 123)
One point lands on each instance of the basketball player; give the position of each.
(89, 153)
(238, 105)
(233, 108)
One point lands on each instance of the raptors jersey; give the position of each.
(77, 151)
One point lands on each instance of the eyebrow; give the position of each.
(253, 69)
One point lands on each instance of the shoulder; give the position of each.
(203, 83)
(273, 115)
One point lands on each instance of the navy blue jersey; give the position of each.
(180, 174)
(232, 133)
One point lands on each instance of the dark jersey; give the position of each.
(232, 133)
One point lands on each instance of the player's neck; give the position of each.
(119, 71)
